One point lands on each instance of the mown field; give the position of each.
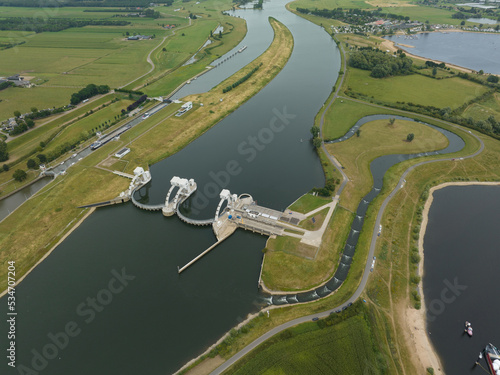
(23, 99)
(414, 88)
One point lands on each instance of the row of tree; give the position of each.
(242, 79)
(88, 92)
(136, 104)
(39, 25)
(79, 3)
(353, 16)
(380, 63)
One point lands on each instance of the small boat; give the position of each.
(468, 329)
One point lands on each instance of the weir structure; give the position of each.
(238, 212)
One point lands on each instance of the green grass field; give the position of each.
(415, 89)
(343, 114)
(308, 202)
(481, 111)
(345, 347)
(26, 142)
(86, 124)
(23, 99)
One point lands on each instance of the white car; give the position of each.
(145, 116)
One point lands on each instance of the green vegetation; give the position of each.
(379, 63)
(88, 92)
(241, 80)
(416, 89)
(340, 344)
(308, 202)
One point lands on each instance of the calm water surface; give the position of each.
(471, 50)
(461, 248)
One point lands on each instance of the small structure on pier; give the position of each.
(186, 188)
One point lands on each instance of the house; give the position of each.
(139, 37)
(17, 80)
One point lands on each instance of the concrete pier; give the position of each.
(201, 255)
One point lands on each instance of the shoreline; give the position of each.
(391, 46)
(82, 219)
(416, 323)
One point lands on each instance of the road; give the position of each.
(366, 272)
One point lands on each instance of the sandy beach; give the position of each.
(391, 46)
(416, 325)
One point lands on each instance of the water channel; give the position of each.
(461, 250)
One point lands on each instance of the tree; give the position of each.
(34, 109)
(434, 71)
(317, 142)
(5, 167)
(462, 23)
(315, 131)
(492, 79)
(30, 123)
(392, 120)
(410, 137)
(19, 175)
(42, 158)
(481, 72)
(31, 164)
(17, 114)
(4, 154)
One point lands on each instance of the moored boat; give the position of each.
(492, 356)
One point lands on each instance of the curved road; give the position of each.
(366, 272)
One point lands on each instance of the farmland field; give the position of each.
(343, 348)
(18, 99)
(415, 89)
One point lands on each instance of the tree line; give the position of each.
(353, 16)
(78, 3)
(88, 92)
(39, 25)
(241, 80)
(380, 63)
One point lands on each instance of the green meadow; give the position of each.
(414, 88)
(344, 346)
(23, 99)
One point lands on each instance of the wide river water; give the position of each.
(471, 50)
(462, 274)
(153, 321)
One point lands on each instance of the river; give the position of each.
(112, 286)
(461, 250)
(470, 50)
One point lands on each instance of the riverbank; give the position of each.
(80, 186)
(391, 46)
(417, 333)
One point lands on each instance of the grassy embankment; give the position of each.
(169, 72)
(290, 269)
(341, 344)
(66, 127)
(38, 224)
(172, 135)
